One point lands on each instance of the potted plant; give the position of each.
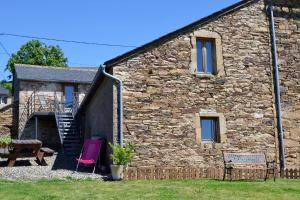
(5, 141)
(120, 156)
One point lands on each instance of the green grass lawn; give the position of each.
(190, 189)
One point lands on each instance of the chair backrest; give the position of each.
(91, 149)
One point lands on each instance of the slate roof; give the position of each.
(55, 74)
(3, 90)
(178, 32)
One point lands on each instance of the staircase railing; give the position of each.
(75, 105)
(28, 110)
(57, 109)
(38, 102)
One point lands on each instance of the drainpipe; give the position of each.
(277, 88)
(120, 103)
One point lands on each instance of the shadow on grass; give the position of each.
(241, 180)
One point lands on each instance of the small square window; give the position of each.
(205, 56)
(209, 129)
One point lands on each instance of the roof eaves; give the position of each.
(54, 80)
(57, 68)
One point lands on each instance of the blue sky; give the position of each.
(127, 22)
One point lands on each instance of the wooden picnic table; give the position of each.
(24, 149)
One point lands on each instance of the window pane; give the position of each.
(210, 56)
(5, 100)
(200, 67)
(208, 129)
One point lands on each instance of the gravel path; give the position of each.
(59, 167)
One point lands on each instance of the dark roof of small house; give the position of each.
(178, 32)
(110, 63)
(3, 90)
(55, 74)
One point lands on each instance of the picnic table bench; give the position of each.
(24, 149)
(247, 161)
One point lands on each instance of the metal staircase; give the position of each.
(67, 125)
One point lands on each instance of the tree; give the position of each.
(35, 52)
(7, 85)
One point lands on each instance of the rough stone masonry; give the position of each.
(163, 96)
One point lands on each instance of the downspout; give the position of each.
(277, 88)
(120, 103)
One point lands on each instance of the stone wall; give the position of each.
(287, 18)
(48, 90)
(6, 120)
(97, 119)
(162, 96)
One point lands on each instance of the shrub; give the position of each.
(121, 155)
(5, 140)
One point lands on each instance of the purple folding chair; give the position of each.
(90, 153)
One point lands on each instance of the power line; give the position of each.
(5, 50)
(69, 41)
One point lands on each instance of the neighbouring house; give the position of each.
(45, 100)
(5, 98)
(5, 112)
(206, 87)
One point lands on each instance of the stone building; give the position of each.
(41, 94)
(5, 112)
(204, 88)
(5, 98)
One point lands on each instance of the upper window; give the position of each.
(205, 56)
(209, 129)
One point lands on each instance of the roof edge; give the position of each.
(179, 31)
(55, 67)
(54, 81)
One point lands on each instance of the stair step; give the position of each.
(66, 138)
(69, 135)
(66, 119)
(72, 131)
(69, 132)
(65, 122)
(65, 114)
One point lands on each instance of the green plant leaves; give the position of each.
(121, 155)
(5, 139)
(35, 52)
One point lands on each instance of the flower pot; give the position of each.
(117, 172)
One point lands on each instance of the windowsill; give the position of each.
(211, 145)
(201, 75)
(209, 142)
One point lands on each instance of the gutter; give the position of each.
(277, 88)
(120, 103)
